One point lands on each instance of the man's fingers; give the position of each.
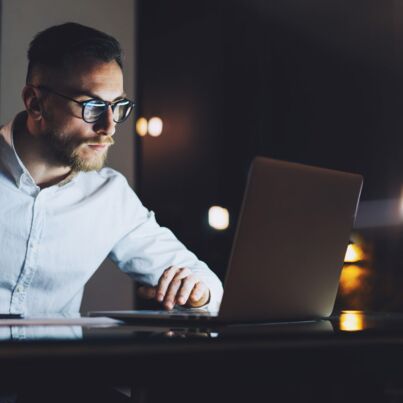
(187, 287)
(179, 285)
(146, 292)
(169, 300)
(199, 295)
(170, 275)
(164, 282)
(174, 286)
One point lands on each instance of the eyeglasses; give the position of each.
(93, 109)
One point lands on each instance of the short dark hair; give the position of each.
(59, 46)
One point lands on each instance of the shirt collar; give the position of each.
(69, 178)
(12, 162)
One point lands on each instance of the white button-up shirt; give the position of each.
(52, 240)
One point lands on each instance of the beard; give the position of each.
(65, 150)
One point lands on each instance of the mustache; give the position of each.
(100, 140)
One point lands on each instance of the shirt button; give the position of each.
(19, 289)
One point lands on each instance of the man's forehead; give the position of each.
(87, 77)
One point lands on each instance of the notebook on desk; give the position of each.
(288, 250)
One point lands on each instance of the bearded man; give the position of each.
(62, 211)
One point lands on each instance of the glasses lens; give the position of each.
(93, 110)
(121, 110)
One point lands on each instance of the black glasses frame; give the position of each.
(83, 104)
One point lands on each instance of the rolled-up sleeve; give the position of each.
(146, 249)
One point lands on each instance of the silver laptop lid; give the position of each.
(290, 242)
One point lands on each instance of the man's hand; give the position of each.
(177, 285)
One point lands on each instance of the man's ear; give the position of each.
(32, 102)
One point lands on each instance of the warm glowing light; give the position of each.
(218, 217)
(155, 127)
(141, 126)
(351, 321)
(351, 278)
(354, 253)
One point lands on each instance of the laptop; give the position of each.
(288, 250)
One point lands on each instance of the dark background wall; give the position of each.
(317, 82)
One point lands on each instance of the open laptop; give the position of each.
(288, 249)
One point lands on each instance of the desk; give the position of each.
(306, 362)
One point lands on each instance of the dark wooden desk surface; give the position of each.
(352, 357)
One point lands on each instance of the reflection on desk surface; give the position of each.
(26, 333)
(55, 328)
(347, 322)
(360, 321)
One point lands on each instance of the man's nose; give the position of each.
(105, 125)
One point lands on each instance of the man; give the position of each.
(62, 213)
